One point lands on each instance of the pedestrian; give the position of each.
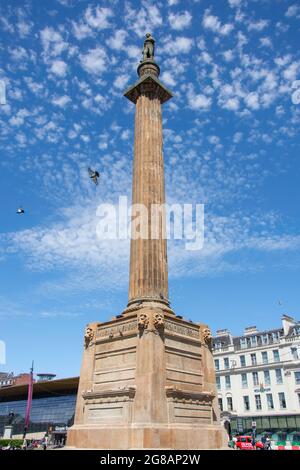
(45, 442)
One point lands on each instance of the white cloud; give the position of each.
(98, 18)
(81, 30)
(94, 61)
(237, 137)
(213, 23)
(59, 68)
(61, 101)
(291, 72)
(180, 45)
(199, 101)
(121, 81)
(147, 19)
(117, 40)
(252, 101)
(257, 25)
(235, 3)
(231, 104)
(52, 41)
(293, 10)
(266, 42)
(168, 78)
(180, 21)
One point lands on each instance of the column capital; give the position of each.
(148, 84)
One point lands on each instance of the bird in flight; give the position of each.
(20, 210)
(94, 175)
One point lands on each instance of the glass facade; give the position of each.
(46, 411)
(267, 423)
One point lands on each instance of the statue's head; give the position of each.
(148, 35)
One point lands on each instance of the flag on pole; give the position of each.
(29, 401)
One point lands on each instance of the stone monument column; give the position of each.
(147, 379)
(148, 279)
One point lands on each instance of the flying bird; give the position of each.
(94, 175)
(20, 210)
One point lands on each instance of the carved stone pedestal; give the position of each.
(147, 381)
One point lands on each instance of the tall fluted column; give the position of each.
(148, 251)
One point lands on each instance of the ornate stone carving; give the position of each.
(88, 336)
(207, 336)
(143, 321)
(158, 321)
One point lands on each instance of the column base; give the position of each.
(136, 304)
(148, 437)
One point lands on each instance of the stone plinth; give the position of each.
(147, 381)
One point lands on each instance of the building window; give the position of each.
(253, 341)
(267, 377)
(258, 402)
(276, 336)
(270, 402)
(229, 404)
(278, 376)
(218, 382)
(244, 381)
(297, 378)
(282, 402)
(253, 359)
(243, 361)
(243, 343)
(255, 378)
(294, 352)
(220, 401)
(226, 363)
(264, 357)
(217, 364)
(265, 339)
(227, 381)
(246, 403)
(276, 355)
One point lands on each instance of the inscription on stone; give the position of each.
(182, 330)
(116, 330)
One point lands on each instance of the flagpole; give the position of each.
(29, 402)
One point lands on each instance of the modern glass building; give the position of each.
(52, 412)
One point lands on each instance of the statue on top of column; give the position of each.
(148, 51)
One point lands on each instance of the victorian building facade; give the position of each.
(258, 377)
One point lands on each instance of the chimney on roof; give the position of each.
(223, 332)
(287, 322)
(250, 330)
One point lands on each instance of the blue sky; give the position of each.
(231, 141)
